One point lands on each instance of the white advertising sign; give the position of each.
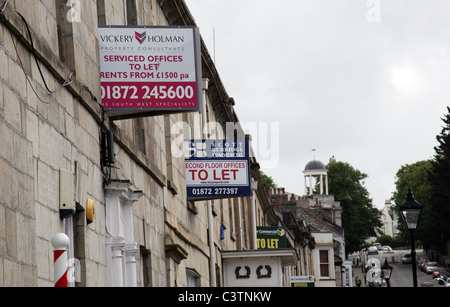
(217, 169)
(222, 172)
(148, 69)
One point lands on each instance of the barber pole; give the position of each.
(60, 244)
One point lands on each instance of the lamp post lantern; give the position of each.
(410, 212)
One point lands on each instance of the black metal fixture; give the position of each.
(107, 148)
(107, 156)
(410, 212)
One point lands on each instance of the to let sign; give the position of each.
(302, 281)
(150, 68)
(217, 169)
(270, 237)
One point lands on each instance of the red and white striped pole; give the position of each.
(60, 244)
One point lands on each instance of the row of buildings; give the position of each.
(114, 186)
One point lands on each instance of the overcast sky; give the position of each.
(366, 81)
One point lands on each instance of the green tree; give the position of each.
(439, 177)
(414, 176)
(386, 240)
(268, 180)
(359, 218)
(430, 183)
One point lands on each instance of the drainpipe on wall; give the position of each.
(241, 235)
(212, 250)
(254, 188)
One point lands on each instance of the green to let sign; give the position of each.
(271, 237)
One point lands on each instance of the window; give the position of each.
(192, 278)
(145, 267)
(324, 263)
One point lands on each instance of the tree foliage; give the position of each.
(359, 218)
(268, 180)
(439, 178)
(413, 176)
(430, 183)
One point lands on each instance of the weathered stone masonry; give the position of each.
(42, 133)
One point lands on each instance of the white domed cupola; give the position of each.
(315, 169)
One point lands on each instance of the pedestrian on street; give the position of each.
(358, 281)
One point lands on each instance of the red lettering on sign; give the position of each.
(193, 171)
(205, 174)
(234, 171)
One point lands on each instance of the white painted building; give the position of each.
(389, 219)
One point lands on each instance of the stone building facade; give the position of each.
(144, 232)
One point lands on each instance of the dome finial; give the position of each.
(315, 168)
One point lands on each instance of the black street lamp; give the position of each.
(386, 268)
(410, 212)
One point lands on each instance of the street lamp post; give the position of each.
(410, 212)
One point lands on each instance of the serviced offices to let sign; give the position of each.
(148, 69)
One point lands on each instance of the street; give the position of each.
(401, 273)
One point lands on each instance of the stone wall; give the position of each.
(42, 133)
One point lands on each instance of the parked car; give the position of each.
(444, 281)
(372, 250)
(439, 272)
(378, 246)
(422, 263)
(387, 249)
(431, 266)
(407, 259)
(444, 274)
